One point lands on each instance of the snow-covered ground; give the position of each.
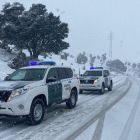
(112, 116)
(4, 70)
(5, 57)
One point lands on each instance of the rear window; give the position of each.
(69, 72)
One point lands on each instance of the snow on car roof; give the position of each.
(34, 67)
(43, 66)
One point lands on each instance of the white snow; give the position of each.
(88, 133)
(4, 70)
(59, 123)
(116, 118)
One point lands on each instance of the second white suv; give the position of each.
(96, 79)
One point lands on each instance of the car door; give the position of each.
(54, 87)
(109, 78)
(71, 81)
(106, 78)
(65, 83)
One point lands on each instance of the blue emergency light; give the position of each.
(33, 63)
(42, 63)
(96, 68)
(92, 68)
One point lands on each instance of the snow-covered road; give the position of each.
(112, 116)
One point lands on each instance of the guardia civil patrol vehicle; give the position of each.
(96, 79)
(29, 90)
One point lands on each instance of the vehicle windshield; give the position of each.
(93, 73)
(27, 75)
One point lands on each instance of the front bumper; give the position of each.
(13, 107)
(90, 87)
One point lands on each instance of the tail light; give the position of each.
(77, 78)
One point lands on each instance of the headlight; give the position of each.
(18, 92)
(97, 80)
(79, 81)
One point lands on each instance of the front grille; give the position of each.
(86, 81)
(4, 95)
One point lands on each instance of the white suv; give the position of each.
(96, 79)
(29, 90)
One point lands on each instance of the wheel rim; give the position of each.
(72, 99)
(38, 111)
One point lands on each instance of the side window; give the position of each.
(69, 72)
(105, 72)
(108, 73)
(52, 73)
(62, 73)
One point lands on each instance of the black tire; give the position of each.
(81, 91)
(72, 101)
(110, 87)
(37, 105)
(102, 90)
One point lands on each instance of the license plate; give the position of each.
(85, 85)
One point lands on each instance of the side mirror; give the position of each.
(81, 74)
(51, 79)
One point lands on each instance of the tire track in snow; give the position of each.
(99, 128)
(85, 99)
(77, 108)
(26, 129)
(101, 113)
(66, 126)
(40, 128)
(130, 120)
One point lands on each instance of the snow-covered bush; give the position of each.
(19, 61)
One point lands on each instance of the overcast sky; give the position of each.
(90, 22)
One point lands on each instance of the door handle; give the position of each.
(69, 82)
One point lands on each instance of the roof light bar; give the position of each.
(33, 63)
(99, 67)
(42, 63)
(96, 68)
(92, 68)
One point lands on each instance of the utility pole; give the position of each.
(110, 48)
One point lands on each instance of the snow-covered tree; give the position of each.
(92, 59)
(117, 65)
(104, 57)
(64, 56)
(19, 61)
(98, 57)
(81, 59)
(35, 30)
(9, 20)
(134, 65)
